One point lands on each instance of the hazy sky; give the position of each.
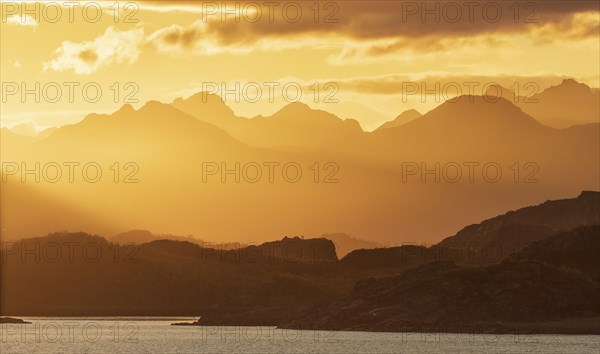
(371, 51)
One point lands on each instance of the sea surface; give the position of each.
(156, 335)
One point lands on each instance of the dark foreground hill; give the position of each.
(445, 295)
(489, 242)
(497, 238)
(76, 274)
(577, 249)
(549, 286)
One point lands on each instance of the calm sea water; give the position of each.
(146, 335)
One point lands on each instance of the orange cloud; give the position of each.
(87, 57)
(245, 22)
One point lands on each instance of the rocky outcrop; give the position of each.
(509, 233)
(444, 294)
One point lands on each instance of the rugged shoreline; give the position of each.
(570, 326)
(574, 326)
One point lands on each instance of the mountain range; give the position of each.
(486, 156)
(561, 106)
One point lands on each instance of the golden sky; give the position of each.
(162, 50)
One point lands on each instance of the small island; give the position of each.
(12, 320)
(195, 323)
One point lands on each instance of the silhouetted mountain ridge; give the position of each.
(299, 283)
(403, 118)
(548, 217)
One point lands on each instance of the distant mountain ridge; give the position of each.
(349, 172)
(551, 106)
(403, 118)
(296, 124)
(144, 236)
(555, 105)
